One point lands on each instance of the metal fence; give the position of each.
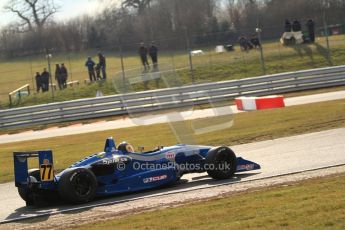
(172, 97)
(210, 65)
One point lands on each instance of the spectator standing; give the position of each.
(245, 43)
(311, 30)
(153, 52)
(143, 56)
(64, 75)
(98, 71)
(102, 65)
(242, 42)
(296, 26)
(38, 82)
(45, 80)
(91, 69)
(58, 76)
(255, 41)
(288, 26)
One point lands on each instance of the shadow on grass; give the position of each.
(304, 49)
(324, 52)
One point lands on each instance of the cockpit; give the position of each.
(125, 147)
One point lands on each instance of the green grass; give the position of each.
(207, 68)
(248, 127)
(313, 204)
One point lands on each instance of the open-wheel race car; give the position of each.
(120, 170)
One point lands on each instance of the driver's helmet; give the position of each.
(125, 147)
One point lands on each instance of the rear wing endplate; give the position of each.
(20, 160)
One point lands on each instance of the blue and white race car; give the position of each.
(120, 170)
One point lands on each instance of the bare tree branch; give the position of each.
(20, 15)
(33, 13)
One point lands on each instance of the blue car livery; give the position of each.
(120, 170)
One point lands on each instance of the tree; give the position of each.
(33, 13)
(141, 5)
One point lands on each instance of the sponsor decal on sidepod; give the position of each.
(170, 155)
(155, 178)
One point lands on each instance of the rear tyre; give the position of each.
(26, 194)
(221, 163)
(78, 186)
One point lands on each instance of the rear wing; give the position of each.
(45, 165)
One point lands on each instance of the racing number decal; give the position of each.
(47, 172)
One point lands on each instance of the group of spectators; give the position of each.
(248, 44)
(43, 79)
(61, 75)
(95, 70)
(152, 51)
(98, 71)
(296, 26)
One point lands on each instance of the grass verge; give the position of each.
(248, 127)
(296, 206)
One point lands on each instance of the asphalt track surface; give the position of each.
(277, 157)
(128, 122)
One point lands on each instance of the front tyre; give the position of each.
(221, 163)
(78, 186)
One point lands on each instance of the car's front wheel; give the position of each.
(221, 163)
(78, 185)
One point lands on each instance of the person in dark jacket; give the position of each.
(288, 26)
(91, 69)
(58, 76)
(245, 44)
(98, 71)
(64, 75)
(255, 41)
(38, 82)
(242, 42)
(311, 30)
(45, 80)
(102, 65)
(153, 52)
(296, 26)
(143, 56)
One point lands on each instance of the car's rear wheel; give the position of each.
(25, 193)
(78, 186)
(221, 163)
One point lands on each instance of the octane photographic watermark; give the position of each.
(188, 113)
(121, 166)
